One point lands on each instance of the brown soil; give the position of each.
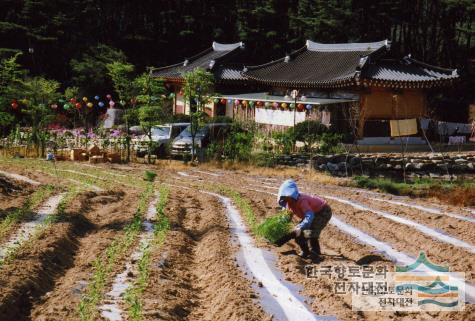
(464, 196)
(195, 275)
(12, 195)
(340, 249)
(103, 215)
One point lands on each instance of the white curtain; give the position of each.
(278, 117)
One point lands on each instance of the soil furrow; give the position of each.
(195, 275)
(100, 218)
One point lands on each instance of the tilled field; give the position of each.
(114, 247)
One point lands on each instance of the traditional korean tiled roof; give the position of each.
(406, 73)
(212, 59)
(320, 65)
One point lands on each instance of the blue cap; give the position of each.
(288, 188)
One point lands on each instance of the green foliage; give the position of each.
(90, 71)
(180, 118)
(11, 76)
(38, 94)
(275, 227)
(284, 140)
(416, 187)
(149, 176)
(263, 159)
(236, 147)
(309, 132)
(121, 73)
(198, 87)
(330, 143)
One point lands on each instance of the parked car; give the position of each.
(212, 132)
(161, 135)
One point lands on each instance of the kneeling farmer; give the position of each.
(314, 213)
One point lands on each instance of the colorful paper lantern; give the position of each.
(223, 101)
(108, 96)
(100, 104)
(66, 106)
(230, 101)
(292, 106)
(96, 97)
(122, 102)
(252, 103)
(275, 104)
(300, 107)
(267, 104)
(61, 101)
(90, 105)
(216, 100)
(54, 106)
(14, 105)
(284, 105)
(111, 104)
(78, 105)
(237, 102)
(84, 99)
(309, 107)
(244, 102)
(72, 100)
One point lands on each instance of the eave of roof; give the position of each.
(407, 73)
(207, 59)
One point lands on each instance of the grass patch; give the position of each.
(456, 192)
(275, 227)
(133, 295)
(149, 176)
(104, 264)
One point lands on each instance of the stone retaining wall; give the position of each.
(423, 163)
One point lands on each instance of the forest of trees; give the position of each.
(71, 41)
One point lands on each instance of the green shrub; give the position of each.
(263, 159)
(149, 176)
(309, 132)
(275, 227)
(330, 143)
(285, 140)
(181, 118)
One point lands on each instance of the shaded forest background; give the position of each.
(72, 40)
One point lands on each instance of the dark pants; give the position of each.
(312, 235)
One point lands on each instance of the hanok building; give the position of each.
(353, 87)
(224, 61)
(335, 78)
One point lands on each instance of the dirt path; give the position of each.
(195, 275)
